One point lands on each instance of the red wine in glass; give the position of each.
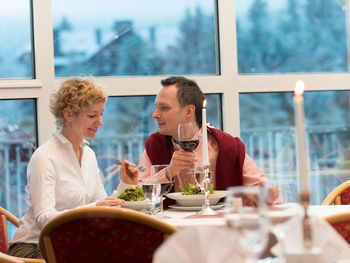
(188, 136)
(189, 146)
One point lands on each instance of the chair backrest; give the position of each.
(341, 223)
(8, 259)
(102, 234)
(339, 196)
(3, 235)
(4, 217)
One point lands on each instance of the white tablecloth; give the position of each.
(179, 218)
(197, 242)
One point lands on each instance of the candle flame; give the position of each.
(299, 87)
(204, 103)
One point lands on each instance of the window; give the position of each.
(270, 139)
(18, 140)
(292, 36)
(16, 53)
(120, 38)
(129, 46)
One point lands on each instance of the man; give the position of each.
(179, 101)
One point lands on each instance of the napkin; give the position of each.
(204, 244)
(332, 246)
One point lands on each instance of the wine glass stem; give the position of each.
(152, 208)
(280, 235)
(161, 205)
(153, 205)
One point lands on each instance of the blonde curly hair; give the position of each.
(75, 94)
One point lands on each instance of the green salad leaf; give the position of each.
(133, 194)
(192, 189)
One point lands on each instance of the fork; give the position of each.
(113, 169)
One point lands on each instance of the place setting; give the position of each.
(192, 196)
(197, 191)
(148, 197)
(194, 202)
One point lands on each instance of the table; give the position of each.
(191, 240)
(178, 218)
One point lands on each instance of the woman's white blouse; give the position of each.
(56, 182)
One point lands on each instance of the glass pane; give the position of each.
(127, 122)
(18, 140)
(268, 130)
(120, 38)
(16, 52)
(292, 36)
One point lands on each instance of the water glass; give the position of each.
(162, 174)
(151, 188)
(246, 215)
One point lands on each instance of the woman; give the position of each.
(63, 173)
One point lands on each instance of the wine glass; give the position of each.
(163, 176)
(278, 219)
(201, 175)
(151, 188)
(198, 176)
(246, 216)
(188, 136)
(189, 141)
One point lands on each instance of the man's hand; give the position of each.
(272, 194)
(129, 173)
(181, 161)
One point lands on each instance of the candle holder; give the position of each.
(206, 209)
(307, 232)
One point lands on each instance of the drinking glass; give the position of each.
(189, 141)
(163, 176)
(151, 188)
(278, 221)
(201, 175)
(188, 136)
(246, 216)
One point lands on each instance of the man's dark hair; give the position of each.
(188, 92)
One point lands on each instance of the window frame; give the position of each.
(228, 83)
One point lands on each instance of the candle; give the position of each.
(205, 156)
(300, 136)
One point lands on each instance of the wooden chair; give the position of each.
(4, 258)
(341, 223)
(339, 196)
(4, 217)
(102, 234)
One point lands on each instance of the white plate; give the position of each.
(283, 212)
(136, 205)
(195, 208)
(196, 200)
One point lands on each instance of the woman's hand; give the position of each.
(129, 173)
(109, 201)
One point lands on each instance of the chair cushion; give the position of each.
(343, 228)
(345, 197)
(105, 240)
